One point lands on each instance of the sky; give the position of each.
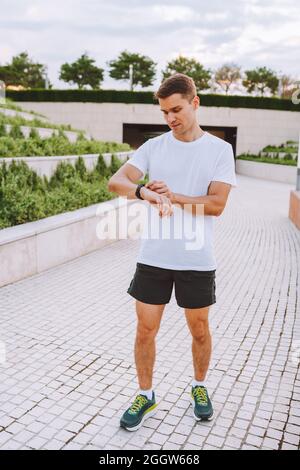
(249, 33)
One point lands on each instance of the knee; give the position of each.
(145, 334)
(201, 333)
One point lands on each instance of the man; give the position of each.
(190, 172)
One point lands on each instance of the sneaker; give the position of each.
(203, 410)
(141, 409)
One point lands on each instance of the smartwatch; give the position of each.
(138, 191)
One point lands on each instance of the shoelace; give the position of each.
(138, 403)
(200, 395)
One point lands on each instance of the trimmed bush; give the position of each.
(33, 134)
(25, 197)
(54, 145)
(15, 132)
(147, 97)
(115, 164)
(281, 148)
(255, 158)
(101, 169)
(2, 129)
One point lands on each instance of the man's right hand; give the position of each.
(162, 202)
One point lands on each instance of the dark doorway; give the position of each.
(136, 134)
(229, 134)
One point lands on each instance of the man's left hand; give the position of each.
(160, 187)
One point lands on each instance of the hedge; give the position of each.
(147, 97)
(287, 160)
(26, 197)
(13, 145)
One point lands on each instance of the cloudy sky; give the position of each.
(250, 33)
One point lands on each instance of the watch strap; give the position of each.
(138, 191)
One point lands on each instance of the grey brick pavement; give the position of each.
(69, 335)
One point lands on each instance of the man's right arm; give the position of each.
(124, 183)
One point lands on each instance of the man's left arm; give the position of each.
(214, 202)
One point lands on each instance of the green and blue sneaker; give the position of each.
(141, 409)
(203, 410)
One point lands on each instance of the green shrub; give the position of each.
(64, 172)
(266, 159)
(15, 132)
(80, 169)
(115, 164)
(54, 145)
(19, 172)
(25, 197)
(33, 134)
(80, 137)
(21, 193)
(249, 155)
(2, 129)
(279, 148)
(62, 134)
(290, 149)
(30, 148)
(101, 168)
(8, 147)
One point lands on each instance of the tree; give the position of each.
(261, 79)
(227, 75)
(288, 86)
(82, 72)
(189, 67)
(23, 71)
(144, 68)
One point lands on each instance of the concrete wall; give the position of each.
(25, 115)
(267, 171)
(46, 166)
(294, 210)
(46, 132)
(31, 248)
(256, 127)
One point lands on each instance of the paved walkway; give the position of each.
(69, 335)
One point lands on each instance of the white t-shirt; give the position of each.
(182, 241)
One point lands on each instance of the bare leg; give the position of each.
(149, 318)
(197, 320)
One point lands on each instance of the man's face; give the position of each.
(180, 115)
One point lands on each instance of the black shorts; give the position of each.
(154, 285)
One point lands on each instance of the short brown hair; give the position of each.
(177, 83)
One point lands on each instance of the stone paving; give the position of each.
(69, 334)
